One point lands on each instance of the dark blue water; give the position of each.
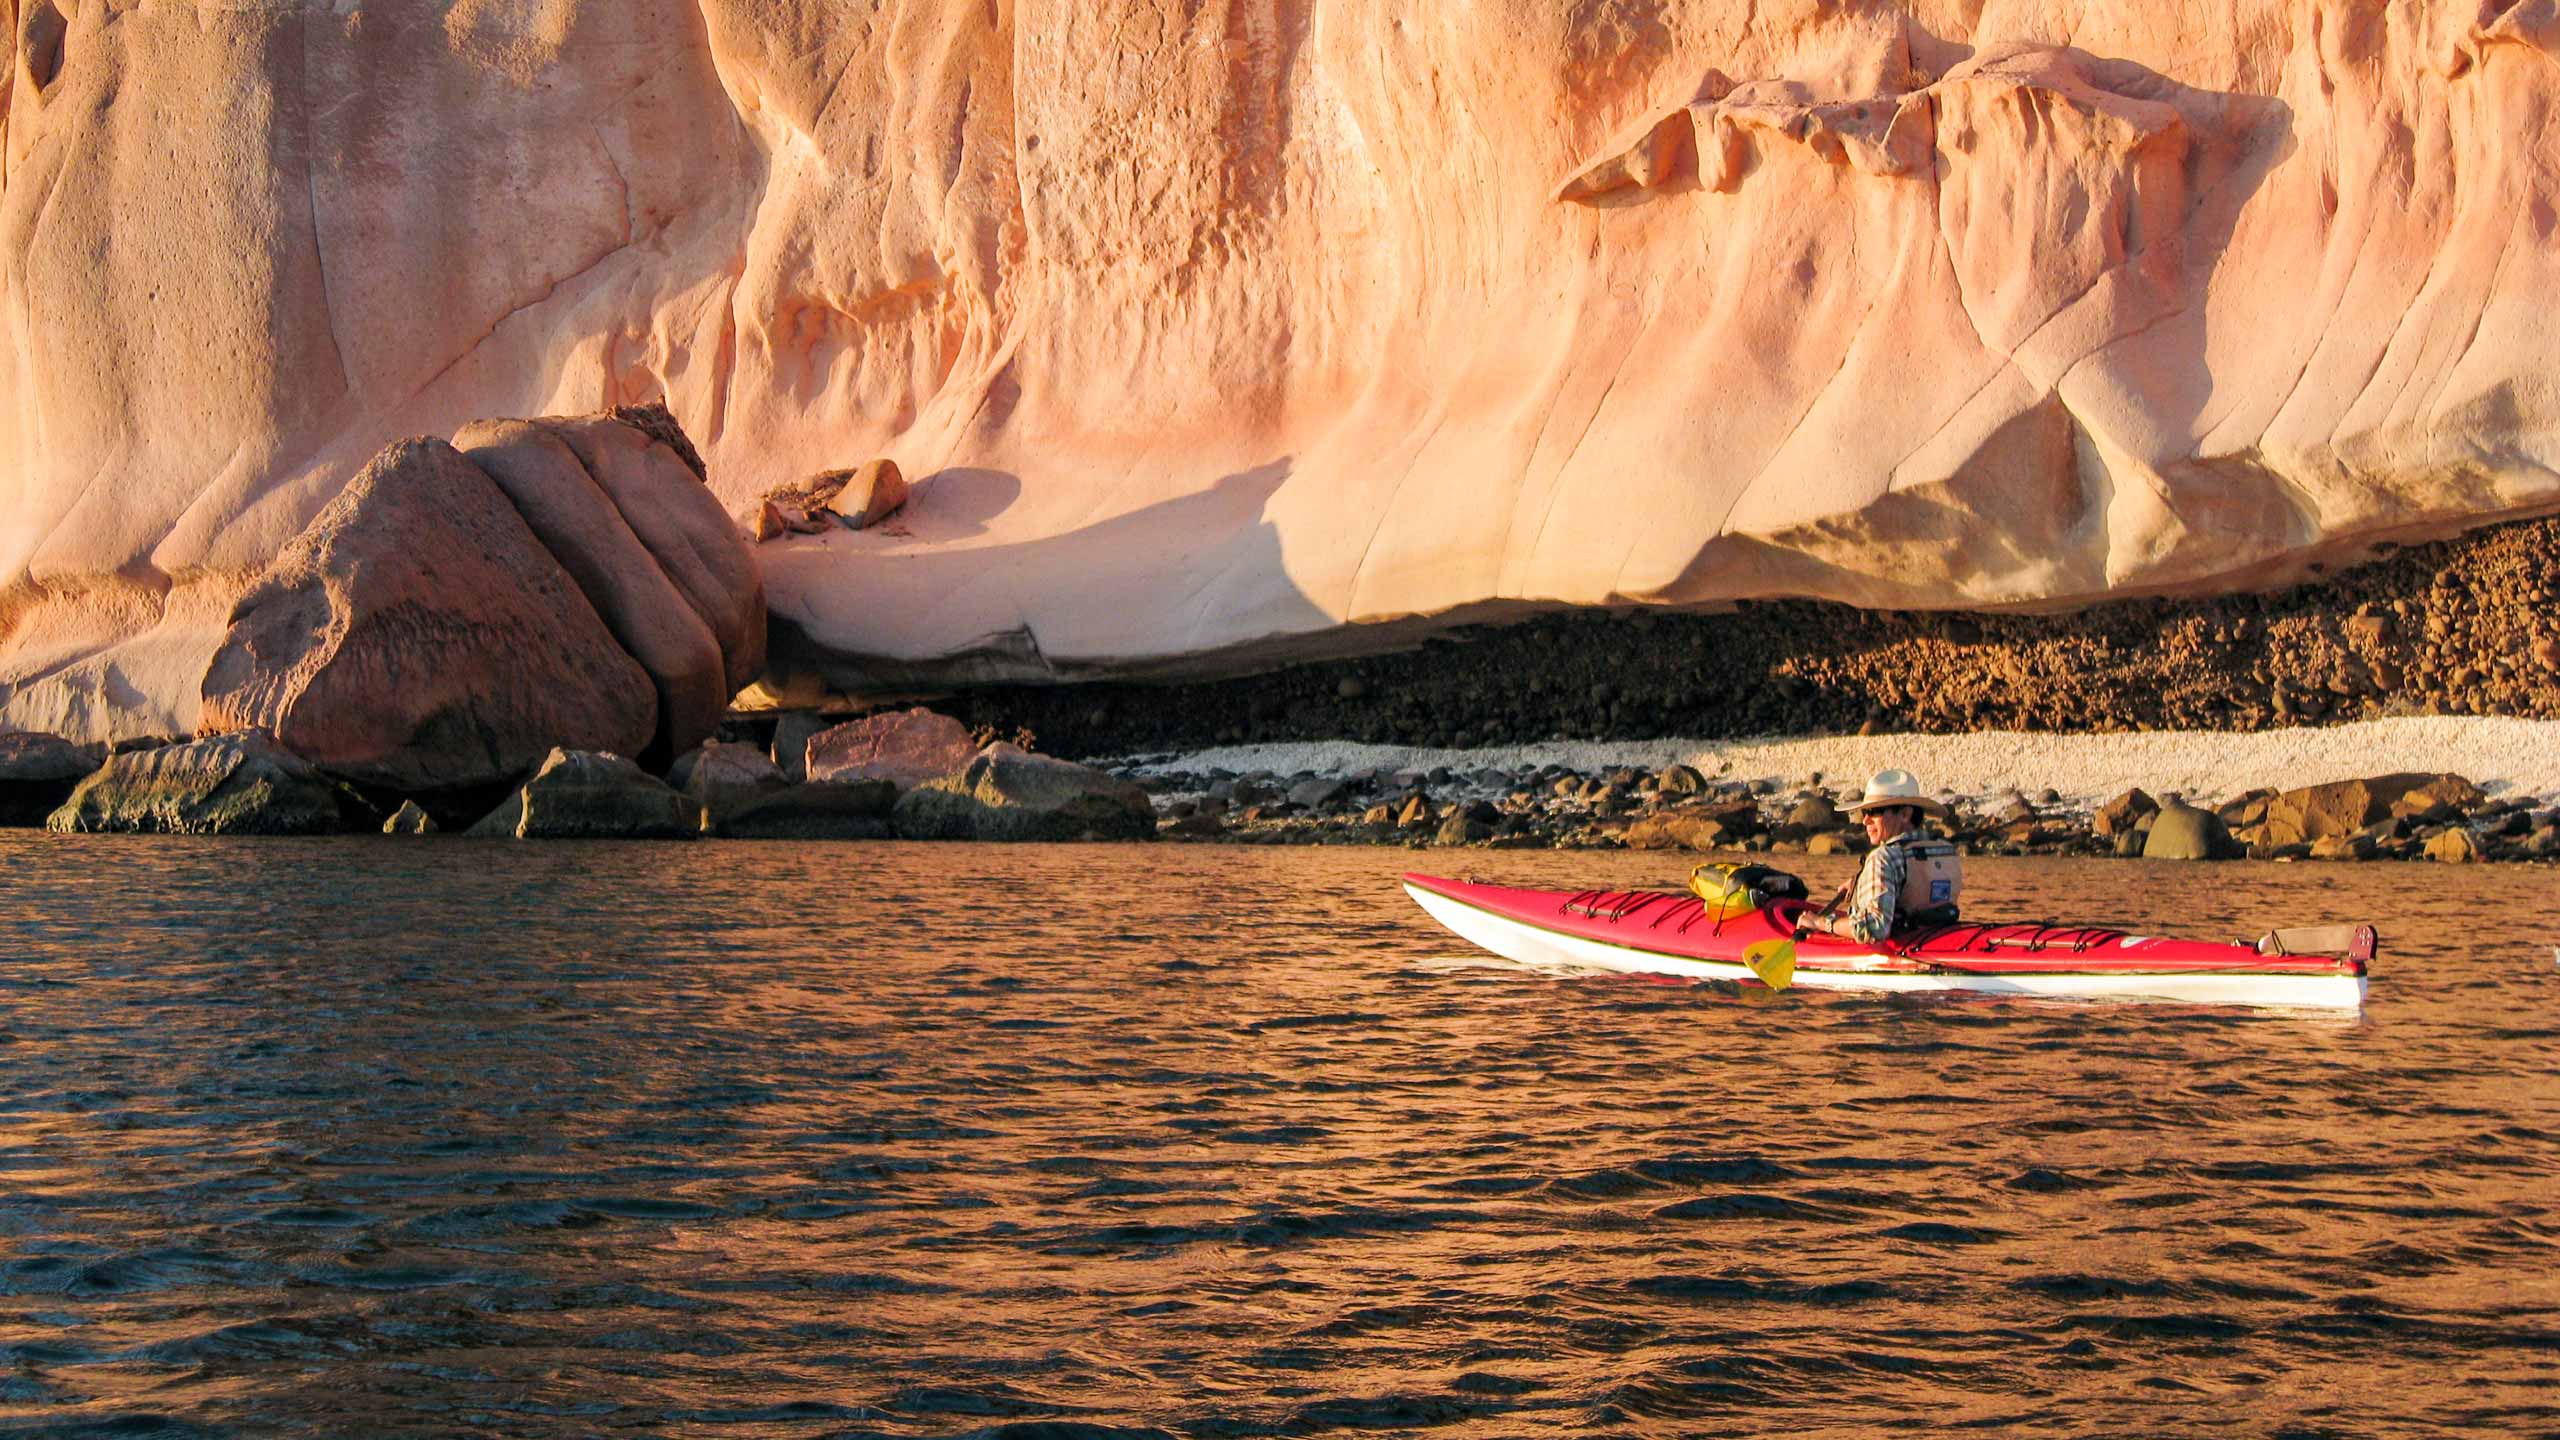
(457, 1138)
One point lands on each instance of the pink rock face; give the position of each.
(1218, 331)
(649, 547)
(418, 636)
(904, 747)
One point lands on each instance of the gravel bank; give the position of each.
(2506, 758)
(2468, 627)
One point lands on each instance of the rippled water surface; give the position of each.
(411, 1138)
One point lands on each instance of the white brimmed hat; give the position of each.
(1896, 787)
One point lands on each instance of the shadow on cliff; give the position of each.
(1156, 586)
(957, 503)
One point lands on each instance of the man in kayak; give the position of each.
(1909, 879)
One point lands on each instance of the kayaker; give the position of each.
(1910, 878)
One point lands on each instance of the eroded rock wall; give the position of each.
(1205, 327)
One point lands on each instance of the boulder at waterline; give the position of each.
(2438, 800)
(241, 784)
(1681, 780)
(1008, 793)
(2344, 807)
(409, 819)
(628, 569)
(1681, 829)
(2127, 812)
(1318, 794)
(1462, 829)
(417, 636)
(38, 772)
(792, 733)
(2182, 832)
(2456, 846)
(592, 795)
(1811, 816)
(819, 810)
(904, 747)
(724, 779)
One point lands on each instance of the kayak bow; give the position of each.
(1662, 933)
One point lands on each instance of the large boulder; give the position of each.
(904, 747)
(2124, 814)
(2343, 807)
(1681, 829)
(618, 503)
(1007, 793)
(1680, 780)
(243, 784)
(418, 636)
(724, 779)
(644, 463)
(1460, 828)
(2441, 798)
(38, 772)
(819, 810)
(1320, 793)
(2182, 832)
(1813, 815)
(2455, 845)
(590, 795)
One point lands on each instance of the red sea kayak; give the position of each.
(1662, 933)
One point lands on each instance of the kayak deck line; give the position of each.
(1663, 932)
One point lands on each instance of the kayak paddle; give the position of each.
(1774, 961)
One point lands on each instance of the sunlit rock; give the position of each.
(722, 779)
(589, 795)
(869, 495)
(410, 819)
(619, 501)
(904, 747)
(242, 784)
(1007, 793)
(2341, 808)
(419, 636)
(2183, 832)
(2455, 846)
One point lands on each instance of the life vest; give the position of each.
(1932, 883)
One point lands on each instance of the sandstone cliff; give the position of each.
(1217, 326)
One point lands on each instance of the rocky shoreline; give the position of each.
(2433, 817)
(920, 775)
(910, 775)
(2466, 626)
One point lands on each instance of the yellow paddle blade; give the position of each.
(1774, 961)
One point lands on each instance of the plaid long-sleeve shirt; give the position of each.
(1876, 897)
